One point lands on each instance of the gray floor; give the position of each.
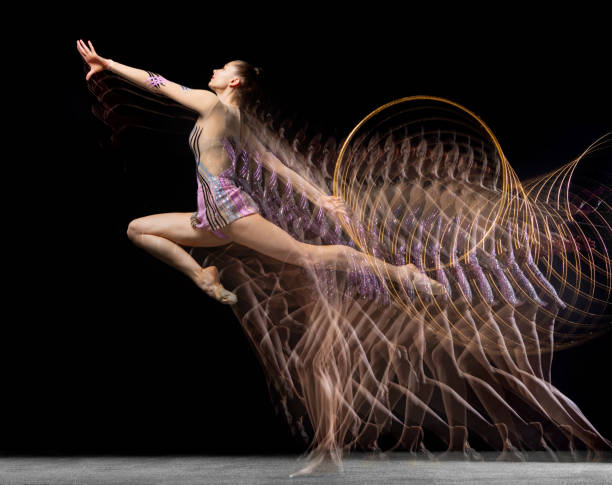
(358, 468)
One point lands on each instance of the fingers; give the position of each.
(344, 214)
(80, 48)
(341, 210)
(83, 46)
(335, 204)
(84, 49)
(340, 206)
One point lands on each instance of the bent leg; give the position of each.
(175, 226)
(162, 234)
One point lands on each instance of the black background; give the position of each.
(112, 351)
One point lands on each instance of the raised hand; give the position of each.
(334, 205)
(91, 57)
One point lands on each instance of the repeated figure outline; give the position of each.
(447, 284)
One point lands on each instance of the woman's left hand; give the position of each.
(334, 205)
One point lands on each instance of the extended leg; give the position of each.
(261, 235)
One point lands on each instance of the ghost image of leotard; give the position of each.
(436, 291)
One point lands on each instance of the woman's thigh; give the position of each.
(175, 226)
(261, 235)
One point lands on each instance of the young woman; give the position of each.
(355, 369)
(226, 213)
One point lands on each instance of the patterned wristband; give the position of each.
(155, 80)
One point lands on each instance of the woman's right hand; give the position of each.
(335, 205)
(95, 62)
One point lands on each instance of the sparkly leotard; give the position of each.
(220, 200)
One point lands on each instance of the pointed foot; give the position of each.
(421, 282)
(210, 283)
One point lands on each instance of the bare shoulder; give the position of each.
(208, 94)
(206, 99)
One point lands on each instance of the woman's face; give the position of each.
(224, 77)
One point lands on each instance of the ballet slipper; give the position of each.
(213, 287)
(224, 296)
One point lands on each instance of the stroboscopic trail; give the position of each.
(354, 360)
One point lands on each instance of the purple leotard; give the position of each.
(220, 200)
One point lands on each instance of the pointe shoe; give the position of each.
(214, 288)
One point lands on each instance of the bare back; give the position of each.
(205, 140)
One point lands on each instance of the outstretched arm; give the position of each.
(330, 203)
(313, 193)
(199, 100)
(269, 160)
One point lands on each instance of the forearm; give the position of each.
(140, 77)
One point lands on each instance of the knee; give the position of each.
(135, 228)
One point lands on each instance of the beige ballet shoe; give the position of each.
(213, 287)
(224, 296)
